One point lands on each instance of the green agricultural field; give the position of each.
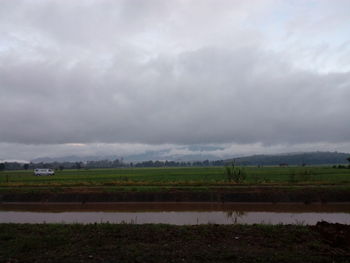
(177, 176)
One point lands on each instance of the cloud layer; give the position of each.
(174, 72)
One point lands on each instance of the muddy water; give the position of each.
(176, 213)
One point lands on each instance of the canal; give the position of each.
(176, 213)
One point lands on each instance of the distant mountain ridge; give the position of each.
(307, 158)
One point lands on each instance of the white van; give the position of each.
(40, 171)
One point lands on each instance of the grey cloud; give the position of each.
(207, 96)
(163, 72)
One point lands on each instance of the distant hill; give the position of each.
(309, 158)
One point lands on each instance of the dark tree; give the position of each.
(78, 165)
(2, 166)
(25, 166)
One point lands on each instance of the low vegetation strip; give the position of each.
(178, 176)
(165, 243)
(208, 184)
(274, 194)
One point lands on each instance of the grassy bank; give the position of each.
(253, 193)
(166, 243)
(266, 184)
(177, 176)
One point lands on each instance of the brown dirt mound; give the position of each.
(336, 235)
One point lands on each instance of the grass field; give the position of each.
(177, 176)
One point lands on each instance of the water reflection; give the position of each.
(175, 213)
(235, 215)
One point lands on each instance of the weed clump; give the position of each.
(235, 174)
(304, 175)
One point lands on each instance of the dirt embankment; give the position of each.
(166, 243)
(309, 195)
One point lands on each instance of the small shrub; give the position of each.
(306, 175)
(236, 174)
(256, 179)
(301, 175)
(340, 166)
(292, 178)
(124, 178)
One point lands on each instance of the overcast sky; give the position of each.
(125, 77)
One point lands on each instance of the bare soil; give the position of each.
(165, 243)
(304, 194)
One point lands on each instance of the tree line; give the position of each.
(118, 163)
(341, 160)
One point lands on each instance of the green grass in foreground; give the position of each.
(166, 243)
(176, 176)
